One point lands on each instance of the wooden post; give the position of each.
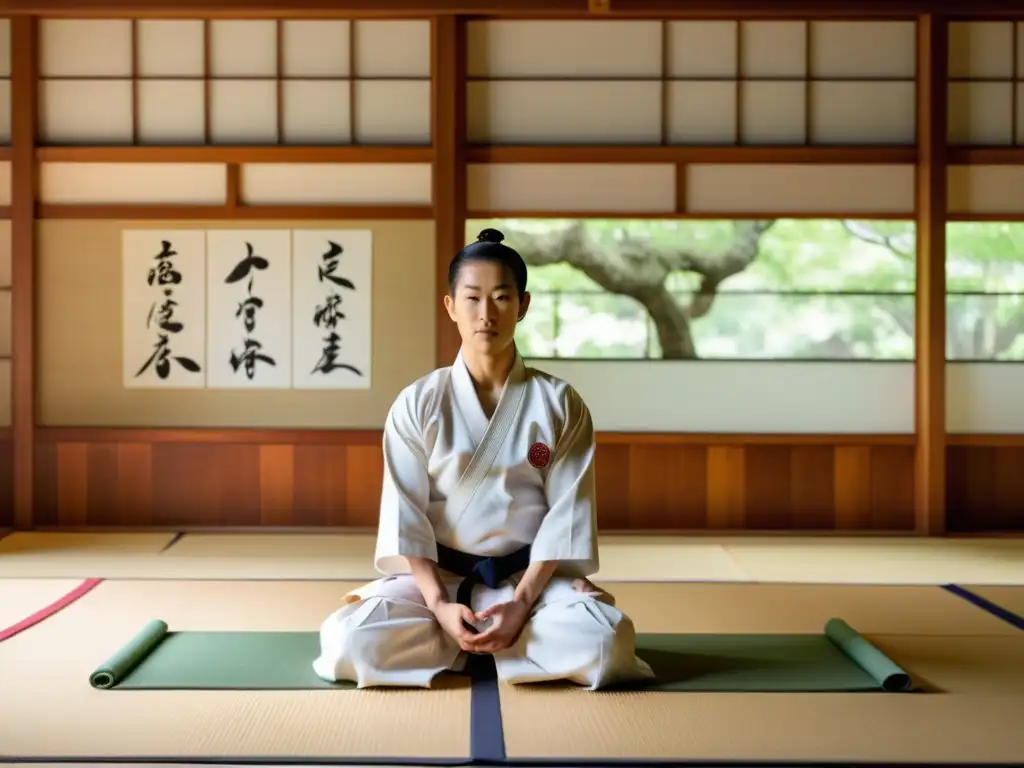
(930, 360)
(23, 277)
(448, 83)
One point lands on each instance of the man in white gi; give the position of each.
(488, 524)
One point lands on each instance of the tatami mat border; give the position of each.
(986, 605)
(177, 537)
(46, 612)
(523, 762)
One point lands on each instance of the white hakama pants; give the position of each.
(386, 636)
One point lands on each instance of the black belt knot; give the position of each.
(480, 569)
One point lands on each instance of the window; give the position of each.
(985, 291)
(783, 289)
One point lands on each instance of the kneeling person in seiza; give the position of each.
(488, 527)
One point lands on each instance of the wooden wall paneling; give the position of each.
(23, 200)
(122, 480)
(448, 115)
(753, 483)
(930, 326)
(6, 479)
(668, 483)
(320, 480)
(985, 485)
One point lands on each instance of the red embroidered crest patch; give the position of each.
(539, 455)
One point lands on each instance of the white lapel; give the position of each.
(468, 402)
(493, 434)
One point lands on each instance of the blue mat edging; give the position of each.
(988, 606)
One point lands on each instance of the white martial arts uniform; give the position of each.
(488, 487)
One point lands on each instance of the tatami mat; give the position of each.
(49, 709)
(21, 598)
(1010, 598)
(261, 556)
(945, 642)
(890, 610)
(897, 560)
(29, 554)
(666, 558)
(318, 556)
(887, 728)
(820, 560)
(975, 661)
(321, 556)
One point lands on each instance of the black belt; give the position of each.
(479, 569)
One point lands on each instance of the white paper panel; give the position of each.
(315, 48)
(780, 189)
(696, 396)
(243, 48)
(568, 49)
(393, 111)
(248, 314)
(392, 48)
(986, 189)
(600, 187)
(701, 112)
(984, 398)
(773, 48)
(702, 48)
(331, 310)
(337, 184)
(85, 48)
(600, 112)
(171, 48)
(317, 112)
(163, 308)
(5, 47)
(773, 112)
(863, 113)
(981, 49)
(138, 183)
(980, 114)
(863, 49)
(172, 112)
(86, 111)
(5, 322)
(243, 111)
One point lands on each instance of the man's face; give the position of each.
(486, 306)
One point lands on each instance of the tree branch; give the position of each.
(639, 269)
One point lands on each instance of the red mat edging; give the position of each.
(55, 607)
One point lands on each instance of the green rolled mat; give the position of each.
(882, 669)
(123, 663)
(836, 661)
(212, 661)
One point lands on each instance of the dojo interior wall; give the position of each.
(80, 365)
(779, 120)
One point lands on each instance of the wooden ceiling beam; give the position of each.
(518, 8)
